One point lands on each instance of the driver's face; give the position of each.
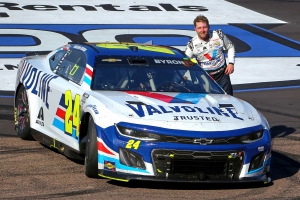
(202, 29)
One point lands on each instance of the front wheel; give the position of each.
(91, 151)
(22, 115)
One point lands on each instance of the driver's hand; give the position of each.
(229, 69)
(187, 63)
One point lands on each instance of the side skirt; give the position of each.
(61, 147)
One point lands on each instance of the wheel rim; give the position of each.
(23, 110)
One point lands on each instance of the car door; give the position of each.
(65, 94)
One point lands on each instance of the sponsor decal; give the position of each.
(211, 62)
(94, 107)
(110, 166)
(262, 148)
(216, 44)
(79, 48)
(202, 118)
(40, 117)
(143, 110)
(173, 62)
(106, 7)
(36, 81)
(85, 96)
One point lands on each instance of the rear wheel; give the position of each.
(91, 151)
(22, 115)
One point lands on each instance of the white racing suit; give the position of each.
(210, 56)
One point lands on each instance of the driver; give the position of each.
(208, 49)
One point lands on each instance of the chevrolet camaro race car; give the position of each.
(139, 112)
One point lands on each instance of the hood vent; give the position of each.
(136, 102)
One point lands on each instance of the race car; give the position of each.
(139, 112)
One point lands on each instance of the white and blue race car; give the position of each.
(139, 112)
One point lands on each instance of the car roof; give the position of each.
(130, 49)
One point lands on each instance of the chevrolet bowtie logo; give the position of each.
(203, 141)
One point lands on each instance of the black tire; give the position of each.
(91, 151)
(22, 115)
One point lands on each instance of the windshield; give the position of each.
(155, 77)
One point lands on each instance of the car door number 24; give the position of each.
(72, 116)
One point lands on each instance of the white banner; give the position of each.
(126, 12)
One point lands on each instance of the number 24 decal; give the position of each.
(133, 143)
(72, 116)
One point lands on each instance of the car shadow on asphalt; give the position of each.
(281, 131)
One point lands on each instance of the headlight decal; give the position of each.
(192, 134)
(137, 134)
(149, 136)
(252, 137)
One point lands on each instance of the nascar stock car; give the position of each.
(139, 112)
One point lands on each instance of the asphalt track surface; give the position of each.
(28, 170)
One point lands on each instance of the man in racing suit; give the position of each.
(209, 52)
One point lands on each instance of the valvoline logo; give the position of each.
(143, 110)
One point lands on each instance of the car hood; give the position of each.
(185, 107)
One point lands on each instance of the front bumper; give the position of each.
(189, 166)
(131, 177)
(178, 162)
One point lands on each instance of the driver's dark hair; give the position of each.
(201, 18)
